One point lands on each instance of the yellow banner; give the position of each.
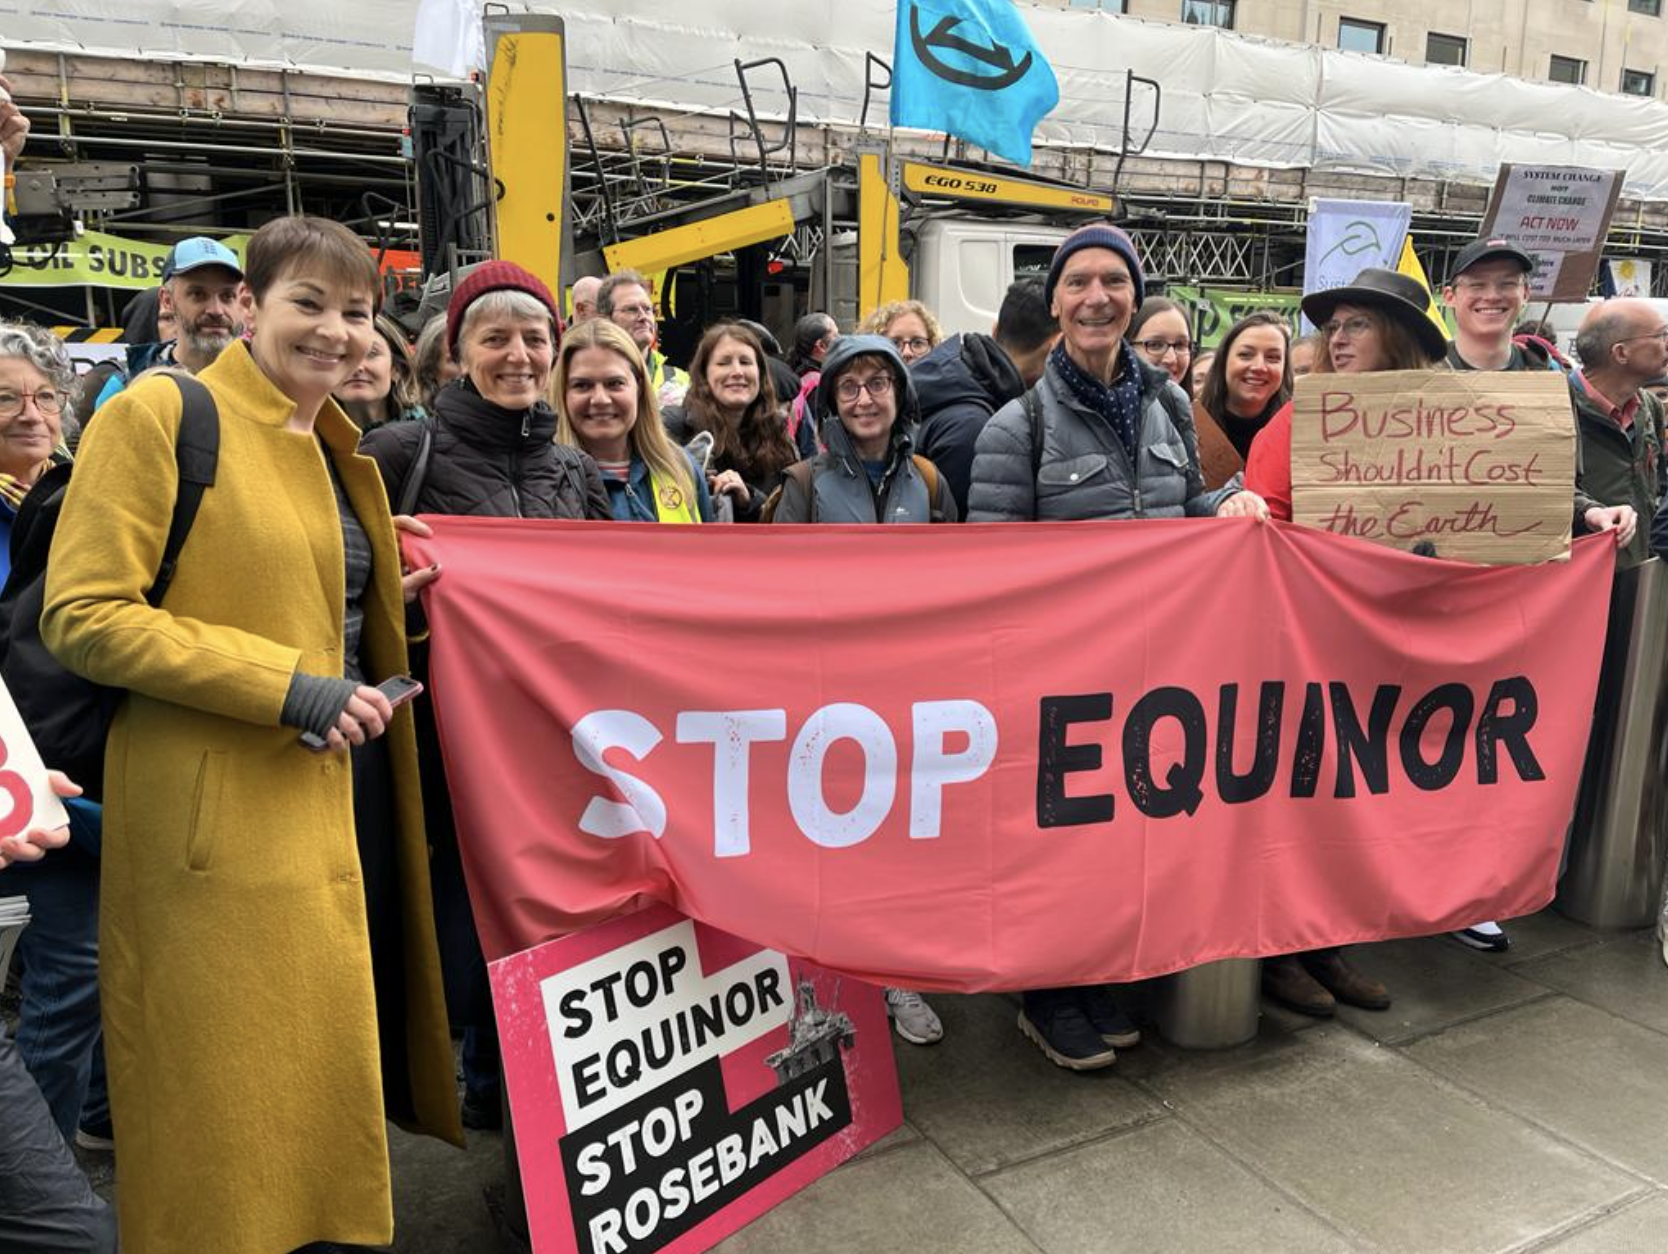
(96, 260)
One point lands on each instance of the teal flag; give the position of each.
(971, 69)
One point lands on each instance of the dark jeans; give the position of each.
(46, 1204)
(58, 1034)
(463, 969)
(374, 825)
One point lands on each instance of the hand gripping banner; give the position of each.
(987, 757)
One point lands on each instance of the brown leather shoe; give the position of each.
(1344, 982)
(1285, 980)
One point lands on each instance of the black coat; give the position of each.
(488, 461)
(960, 384)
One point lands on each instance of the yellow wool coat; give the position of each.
(235, 967)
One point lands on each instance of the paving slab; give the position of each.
(1624, 975)
(912, 1200)
(1639, 1229)
(441, 1193)
(1589, 1076)
(987, 1096)
(1385, 1150)
(903, 1134)
(1161, 1187)
(1548, 932)
(1434, 982)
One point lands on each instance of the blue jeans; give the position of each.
(58, 1032)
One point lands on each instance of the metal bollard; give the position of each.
(1619, 843)
(1213, 1006)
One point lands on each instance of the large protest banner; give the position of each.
(669, 1083)
(1006, 756)
(1560, 215)
(1480, 464)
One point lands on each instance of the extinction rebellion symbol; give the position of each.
(942, 36)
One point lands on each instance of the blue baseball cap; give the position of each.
(198, 251)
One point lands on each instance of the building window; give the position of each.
(1444, 49)
(1568, 70)
(1209, 13)
(1638, 83)
(1355, 36)
(1650, 8)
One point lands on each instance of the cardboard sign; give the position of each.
(1479, 463)
(1560, 215)
(26, 799)
(669, 1082)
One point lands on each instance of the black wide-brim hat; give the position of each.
(1402, 299)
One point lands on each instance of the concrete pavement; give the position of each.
(1514, 1103)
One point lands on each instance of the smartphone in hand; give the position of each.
(399, 689)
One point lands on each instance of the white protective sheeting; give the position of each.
(1225, 97)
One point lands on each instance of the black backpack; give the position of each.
(68, 716)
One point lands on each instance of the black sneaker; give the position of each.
(1115, 1027)
(1488, 937)
(1063, 1032)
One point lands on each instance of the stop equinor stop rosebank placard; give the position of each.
(669, 1082)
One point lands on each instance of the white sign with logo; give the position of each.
(1347, 236)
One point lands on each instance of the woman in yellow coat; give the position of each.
(269, 972)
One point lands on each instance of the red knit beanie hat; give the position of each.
(495, 276)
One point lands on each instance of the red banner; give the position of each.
(1006, 756)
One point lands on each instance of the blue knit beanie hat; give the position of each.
(1096, 235)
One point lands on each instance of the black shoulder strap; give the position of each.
(1033, 411)
(413, 486)
(573, 471)
(197, 452)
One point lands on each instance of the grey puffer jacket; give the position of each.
(1085, 471)
(840, 490)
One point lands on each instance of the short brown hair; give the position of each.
(314, 246)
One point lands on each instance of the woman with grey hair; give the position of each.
(58, 1018)
(486, 451)
(36, 377)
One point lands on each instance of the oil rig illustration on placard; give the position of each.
(815, 1037)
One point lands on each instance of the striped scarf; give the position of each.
(13, 489)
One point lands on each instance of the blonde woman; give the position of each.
(910, 326)
(605, 406)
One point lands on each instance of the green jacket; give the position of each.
(1616, 467)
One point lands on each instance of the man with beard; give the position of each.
(202, 289)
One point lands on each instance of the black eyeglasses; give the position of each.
(1158, 347)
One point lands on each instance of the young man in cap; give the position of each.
(202, 289)
(1487, 291)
